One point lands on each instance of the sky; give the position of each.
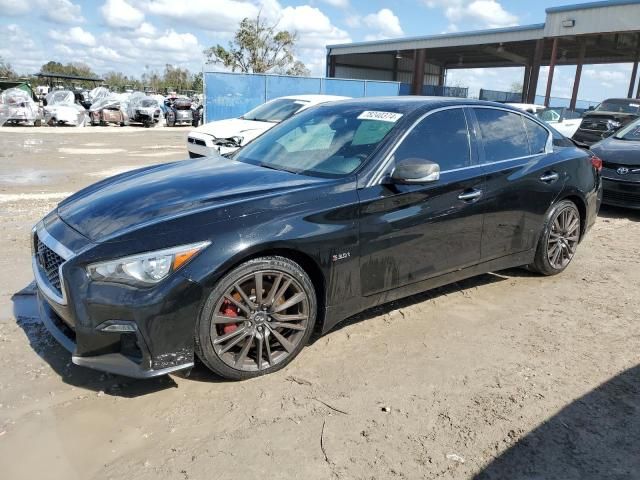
(134, 36)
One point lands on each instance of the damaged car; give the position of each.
(17, 107)
(109, 110)
(144, 110)
(179, 112)
(226, 136)
(61, 109)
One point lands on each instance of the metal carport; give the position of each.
(589, 33)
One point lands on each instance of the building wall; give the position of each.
(380, 67)
(615, 18)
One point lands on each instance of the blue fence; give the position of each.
(230, 95)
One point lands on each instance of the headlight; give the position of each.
(146, 268)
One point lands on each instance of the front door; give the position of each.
(409, 233)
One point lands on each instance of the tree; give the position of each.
(516, 87)
(258, 47)
(6, 71)
(196, 84)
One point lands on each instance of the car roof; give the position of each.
(410, 103)
(315, 98)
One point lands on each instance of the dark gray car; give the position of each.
(620, 155)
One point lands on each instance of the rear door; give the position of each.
(409, 233)
(522, 179)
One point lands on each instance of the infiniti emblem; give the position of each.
(622, 171)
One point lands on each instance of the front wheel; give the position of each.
(559, 239)
(257, 319)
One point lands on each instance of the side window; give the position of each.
(442, 137)
(503, 134)
(538, 136)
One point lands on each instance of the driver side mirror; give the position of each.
(415, 171)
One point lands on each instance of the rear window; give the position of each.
(538, 136)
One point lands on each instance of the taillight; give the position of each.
(597, 163)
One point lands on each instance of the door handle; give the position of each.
(470, 195)
(549, 177)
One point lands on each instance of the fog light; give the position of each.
(117, 326)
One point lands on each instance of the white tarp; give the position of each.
(61, 109)
(17, 106)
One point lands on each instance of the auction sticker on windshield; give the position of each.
(381, 116)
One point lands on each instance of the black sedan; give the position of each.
(620, 156)
(342, 207)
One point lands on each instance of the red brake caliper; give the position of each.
(228, 310)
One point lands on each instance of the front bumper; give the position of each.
(116, 363)
(621, 193)
(160, 321)
(201, 145)
(590, 136)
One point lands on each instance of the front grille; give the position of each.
(49, 261)
(196, 141)
(595, 125)
(622, 197)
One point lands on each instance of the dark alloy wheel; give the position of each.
(559, 240)
(257, 319)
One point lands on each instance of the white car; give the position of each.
(527, 107)
(226, 136)
(62, 109)
(563, 120)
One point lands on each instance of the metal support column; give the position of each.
(552, 66)
(419, 59)
(576, 81)
(525, 83)
(332, 66)
(535, 71)
(634, 70)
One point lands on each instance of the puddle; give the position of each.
(26, 177)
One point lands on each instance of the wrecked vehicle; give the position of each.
(144, 109)
(109, 110)
(179, 112)
(18, 108)
(61, 109)
(226, 136)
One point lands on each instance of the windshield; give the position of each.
(275, 111)
(620, 106)
(329, 141)
(630, 132)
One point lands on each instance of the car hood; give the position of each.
(623, 152)
(604, 115)
(151, 195)
(235, 127)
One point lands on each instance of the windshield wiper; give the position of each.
(282, 169)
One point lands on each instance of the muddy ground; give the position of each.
(506, 376)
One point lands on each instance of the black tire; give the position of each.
(556, 241)
(259, 333)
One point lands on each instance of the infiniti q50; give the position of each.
(340, 208)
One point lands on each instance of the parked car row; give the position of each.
(612, 130)
(238, 259)
(97, 107)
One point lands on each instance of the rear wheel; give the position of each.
(559, 239)
(257, 319)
